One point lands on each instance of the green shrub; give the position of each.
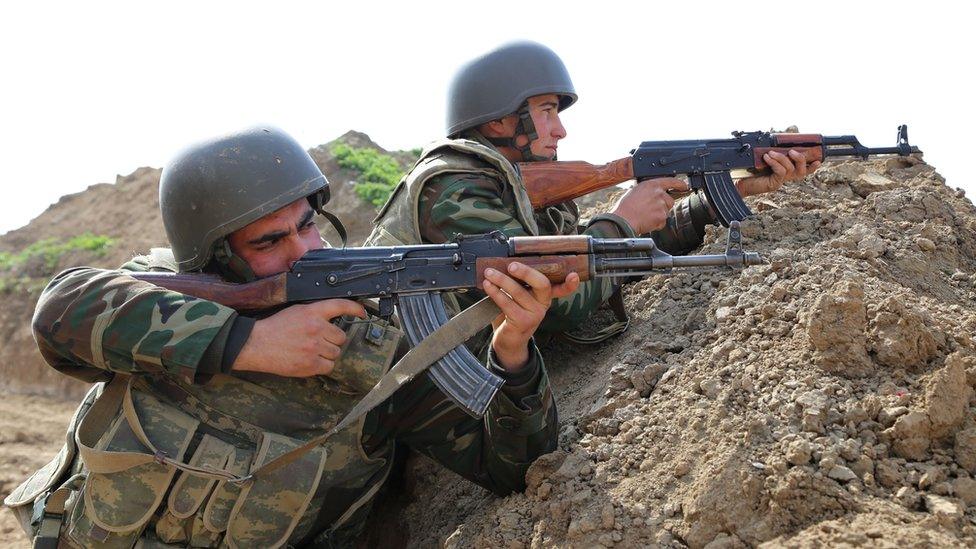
(50, 250)
(21, 284)
(378, 172)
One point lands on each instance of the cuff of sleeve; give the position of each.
(701, 212)
(522, 383)
(223, 350)
(524, 414)
(623, 229)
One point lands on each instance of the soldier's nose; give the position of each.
(296, 252)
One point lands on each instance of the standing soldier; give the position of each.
(198, 398)
(503, 108)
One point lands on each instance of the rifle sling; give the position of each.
(459, 329)
(118, 395)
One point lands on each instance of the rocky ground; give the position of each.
(824, 398)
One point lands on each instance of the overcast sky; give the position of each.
(95, 89)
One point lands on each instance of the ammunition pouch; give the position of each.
(143, 470)
(211, 496)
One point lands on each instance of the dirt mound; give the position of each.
(823, 398)
(128, 212)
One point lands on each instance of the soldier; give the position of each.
(503, 108)
(198, 396)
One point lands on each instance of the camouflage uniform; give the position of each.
(465, 186)
(96, 324)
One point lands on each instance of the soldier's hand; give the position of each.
(522, 309)
(785, 169)
(299, 341)
(645, 206)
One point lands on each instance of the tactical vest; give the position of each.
(397, 223)
(142, 437)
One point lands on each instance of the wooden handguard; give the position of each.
(252, 296)
(527, 245)
(555, 267)
(549, 183)
(807, 139)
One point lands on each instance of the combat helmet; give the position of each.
(500, 82)
(215, 187)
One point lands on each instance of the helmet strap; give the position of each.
(318, 201)
(229, 265)
(524, 127)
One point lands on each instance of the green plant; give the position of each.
(22, 284)
(379, 173)
(50, 250)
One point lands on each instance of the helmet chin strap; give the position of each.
(524, 127)
(318, 201)
(229, 265)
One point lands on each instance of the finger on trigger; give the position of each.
(671, 184)
(332, 308)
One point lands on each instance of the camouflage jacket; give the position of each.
(91, 323)
(478, 191)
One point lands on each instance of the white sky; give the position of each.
(94, 89)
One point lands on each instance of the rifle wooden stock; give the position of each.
(555, 267)
(252, 296)
(549, 183)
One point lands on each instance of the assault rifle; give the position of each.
(708, 163)
(410, 279)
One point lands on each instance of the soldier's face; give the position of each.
(273, 243)
(544, 110)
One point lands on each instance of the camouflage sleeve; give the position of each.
(104, 321)
(494, 452)
(456, 204)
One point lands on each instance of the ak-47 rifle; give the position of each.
(708, 163)
(410, 279)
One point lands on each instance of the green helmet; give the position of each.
(213, 188)
(498, 84)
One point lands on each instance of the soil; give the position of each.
(32, 430)
(824, 398)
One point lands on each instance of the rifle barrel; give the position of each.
(610, 266)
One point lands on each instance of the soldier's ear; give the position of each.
(497, 128)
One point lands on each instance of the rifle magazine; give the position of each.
(459, 374)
